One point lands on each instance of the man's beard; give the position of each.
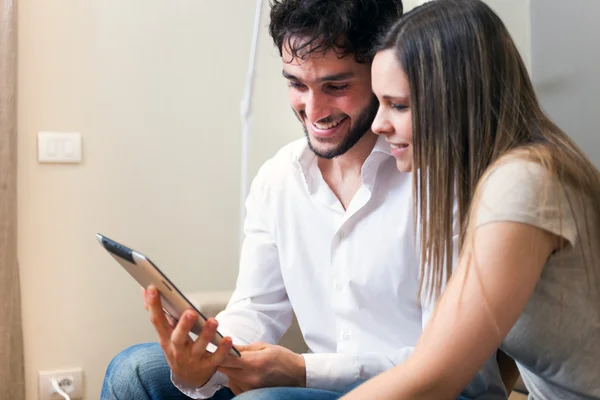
(357, 131)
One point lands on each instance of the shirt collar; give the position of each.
(307, 163)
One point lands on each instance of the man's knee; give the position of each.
(136, 359)
(262, 394)
(287, 393)
(135, 365)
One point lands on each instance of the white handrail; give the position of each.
(246, 114)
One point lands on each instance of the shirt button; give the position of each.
(346, 335)
(339, 287)
(341, 234)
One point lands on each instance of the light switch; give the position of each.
(59, 147)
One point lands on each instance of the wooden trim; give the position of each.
(12, 381)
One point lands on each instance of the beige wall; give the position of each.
(516, 16)
(154, 87)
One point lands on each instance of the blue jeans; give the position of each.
(141, 372)
(291, 393)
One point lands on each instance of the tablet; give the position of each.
(146, 273)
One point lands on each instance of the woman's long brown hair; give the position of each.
(472, 102)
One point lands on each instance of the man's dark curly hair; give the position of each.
(345, 26)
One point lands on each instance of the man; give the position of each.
(328, 236)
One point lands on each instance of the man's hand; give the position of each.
(190, 361)
(264, 365)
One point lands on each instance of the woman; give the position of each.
(458, 107)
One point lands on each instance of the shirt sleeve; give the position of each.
(525, 192)
(337, 371)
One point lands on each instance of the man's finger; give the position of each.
(157, 316)
(251, 347)
(234, 387)
(242, 347)
(236, 362)
(222, 352)
(144, 298)
(208, 332)
(181, 333)
(236, 374)
(172, 321)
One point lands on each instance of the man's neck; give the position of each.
(343, 173)
(349, 164)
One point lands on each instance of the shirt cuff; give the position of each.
(216, 382)
(333, 372)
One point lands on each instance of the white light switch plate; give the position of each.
(59, 147)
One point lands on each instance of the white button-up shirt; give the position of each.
(351, 276)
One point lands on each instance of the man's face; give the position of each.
(332, 98)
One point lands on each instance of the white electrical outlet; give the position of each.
(69, 380)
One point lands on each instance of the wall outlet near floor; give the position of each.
(69, 380)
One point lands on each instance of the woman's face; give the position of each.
(393, 118)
